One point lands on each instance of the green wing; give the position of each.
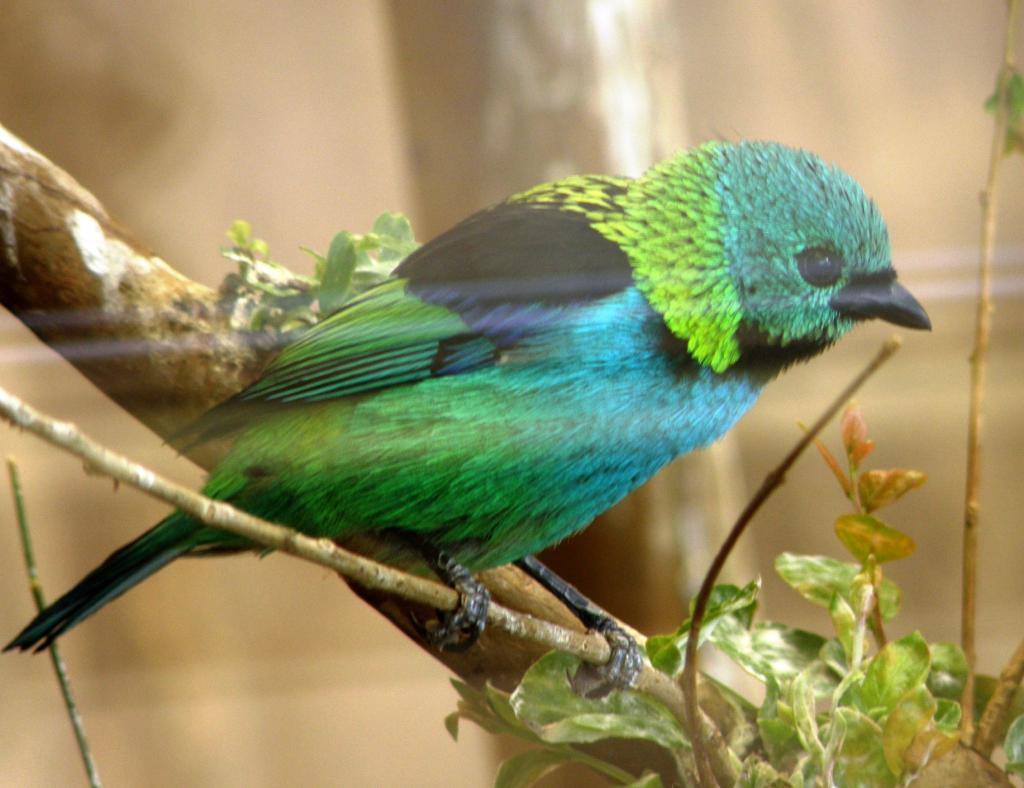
(453, 306)
(387, 337)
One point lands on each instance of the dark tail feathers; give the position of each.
(126, 567)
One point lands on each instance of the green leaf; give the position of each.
(834, 656)
(844, 621)
(646, 780)
(948, 674)
(771, 650)
(1014, 746)
(778, 729)
(486, 709)
(395, 238)
(908, 718)
(667, 652)
(864, 535)
(881, 488)
(947, 715)
(1015, 110)
(451, 724)
(861, 759)
(780, 741)
(337, 275)
(240, 233)
(897, 669)
(802, 699)
(318, 259)
(817, 578)
(545, 701)
(394, 226)
(525, 768)
(501, 703)
(755, 773)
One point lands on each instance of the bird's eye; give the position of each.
(819, 267)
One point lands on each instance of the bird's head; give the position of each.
(754, 247)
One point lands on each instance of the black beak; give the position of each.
(882, 297)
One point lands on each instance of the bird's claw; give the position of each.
(458, 629)
(621, 671)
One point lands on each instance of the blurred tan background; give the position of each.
(310, 117)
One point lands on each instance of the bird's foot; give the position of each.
(458, 629)
(625, 662)
(621, 671)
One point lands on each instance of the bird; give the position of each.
(523, 371)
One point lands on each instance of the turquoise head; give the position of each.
(756, 246)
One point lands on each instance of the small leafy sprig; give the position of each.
(1014, 100)
(868, 538)
(355, 263)
(287, 301)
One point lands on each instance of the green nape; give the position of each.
(670, 223)
(674, 233)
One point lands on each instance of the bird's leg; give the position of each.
(625, 662)
(458, 629)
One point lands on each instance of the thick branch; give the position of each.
(996, 717)
(166, 348)
(163, 347)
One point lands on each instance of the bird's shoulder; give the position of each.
(451, 307)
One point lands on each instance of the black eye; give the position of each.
(819, 267)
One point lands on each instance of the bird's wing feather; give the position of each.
(451, 307)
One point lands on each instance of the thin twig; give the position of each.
(995, 718)
(55, 657)
(982, 332)
(591, 648)
(771, 482)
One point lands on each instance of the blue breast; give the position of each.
(511, 459)
(502, 461)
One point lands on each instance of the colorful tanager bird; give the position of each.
(522, 372)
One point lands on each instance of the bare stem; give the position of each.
(772, 481)
(59, 668)
(979, 356)
(995, 718)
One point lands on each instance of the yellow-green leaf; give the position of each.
(861, 761)
(525, 768)
(894, 671)
(864, 535)
(881, 488)
(908, 718)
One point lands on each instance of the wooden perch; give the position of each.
(166, 348)
(160, 345)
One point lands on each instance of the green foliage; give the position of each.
(833, 710)
(545, 712)
(1013, 96)
(666, 651)
(355, 263)
(1014, 746)
(819, 579)
(546, 702)
(286, 301)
